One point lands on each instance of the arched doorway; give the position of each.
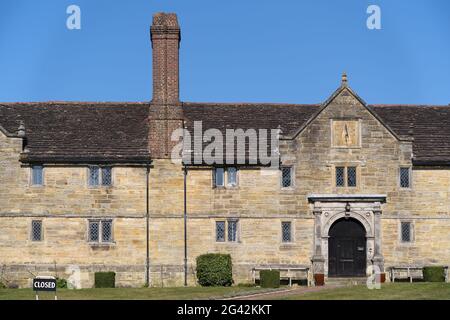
(347, 249)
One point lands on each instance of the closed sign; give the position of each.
(44, 284)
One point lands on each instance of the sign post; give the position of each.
(44, 284)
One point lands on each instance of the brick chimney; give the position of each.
(166, 112)
(165, 36)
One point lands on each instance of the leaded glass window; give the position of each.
(405, 175)
(232, 176)
(351, 176)
(106, 176)
(232, 230)
(286, 232)
(94, 227)
(406, 231)
(37, 175)
(220, 231)
(106, 230)
(94, 174)
(340, 177)
(36, 230)
(286, 177)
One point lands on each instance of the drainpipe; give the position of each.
(147, 218)
(185, 228)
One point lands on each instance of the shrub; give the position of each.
(105, 280)
(214, 269)
(434, 274)
(269, 278)
(61, 283)
(2, 285)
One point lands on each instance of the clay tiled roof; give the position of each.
(80, 132)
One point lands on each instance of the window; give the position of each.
(286, 177)
(232, 176)
(346, 177)
(227, 230)
(232, 231)
(37, 175)
(220, 231)
(100, 231)
(222, 175)
(405, 177)
(36, 230)
(286, 232)
(340, 179)
(100, 176)
(406, 232)
(351, 176)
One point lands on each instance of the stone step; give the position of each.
(351, 281)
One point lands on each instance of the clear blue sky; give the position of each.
(233, 50)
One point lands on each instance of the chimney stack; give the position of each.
(166, 112)
(165, 37)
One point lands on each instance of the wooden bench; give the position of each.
(412, 272)
(287, 272)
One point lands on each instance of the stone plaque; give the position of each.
(345, 133)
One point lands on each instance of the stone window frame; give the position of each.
(31, 182)
(411, 231)
(358, 120)
(292, 241)
(42, 231)
(100, 241)
(346, 165)
(410, 177)
(238, 231)
(225, 185)
(100, 184)
(292, 186)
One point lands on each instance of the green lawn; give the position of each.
(395, 291)
(131, 293)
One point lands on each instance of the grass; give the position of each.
(179, 293)
(391, 291)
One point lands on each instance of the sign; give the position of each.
(44, 284)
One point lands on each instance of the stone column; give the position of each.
(378, 259)
(318, 260)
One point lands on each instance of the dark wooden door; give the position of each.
(347, 249)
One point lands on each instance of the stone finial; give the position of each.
(21, 130)
(344, 80)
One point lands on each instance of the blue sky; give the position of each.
(234, 50)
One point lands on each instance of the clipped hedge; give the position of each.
(434, 274)
(105, 280)
(214, 269)
(269, 278)
(61, 283)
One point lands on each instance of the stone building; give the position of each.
(89, 187)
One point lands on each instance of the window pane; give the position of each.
(106, 176)
(286, 174)
(404, 177)
(220, 231)
(107, 231)
(36, 230)
(219, 177)
(94, 231)
(232, 176)
(36, 176)
(406, 231)
(286, 231)
(351, 176)
(93, 176)
(232, 230)
(340, 182)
